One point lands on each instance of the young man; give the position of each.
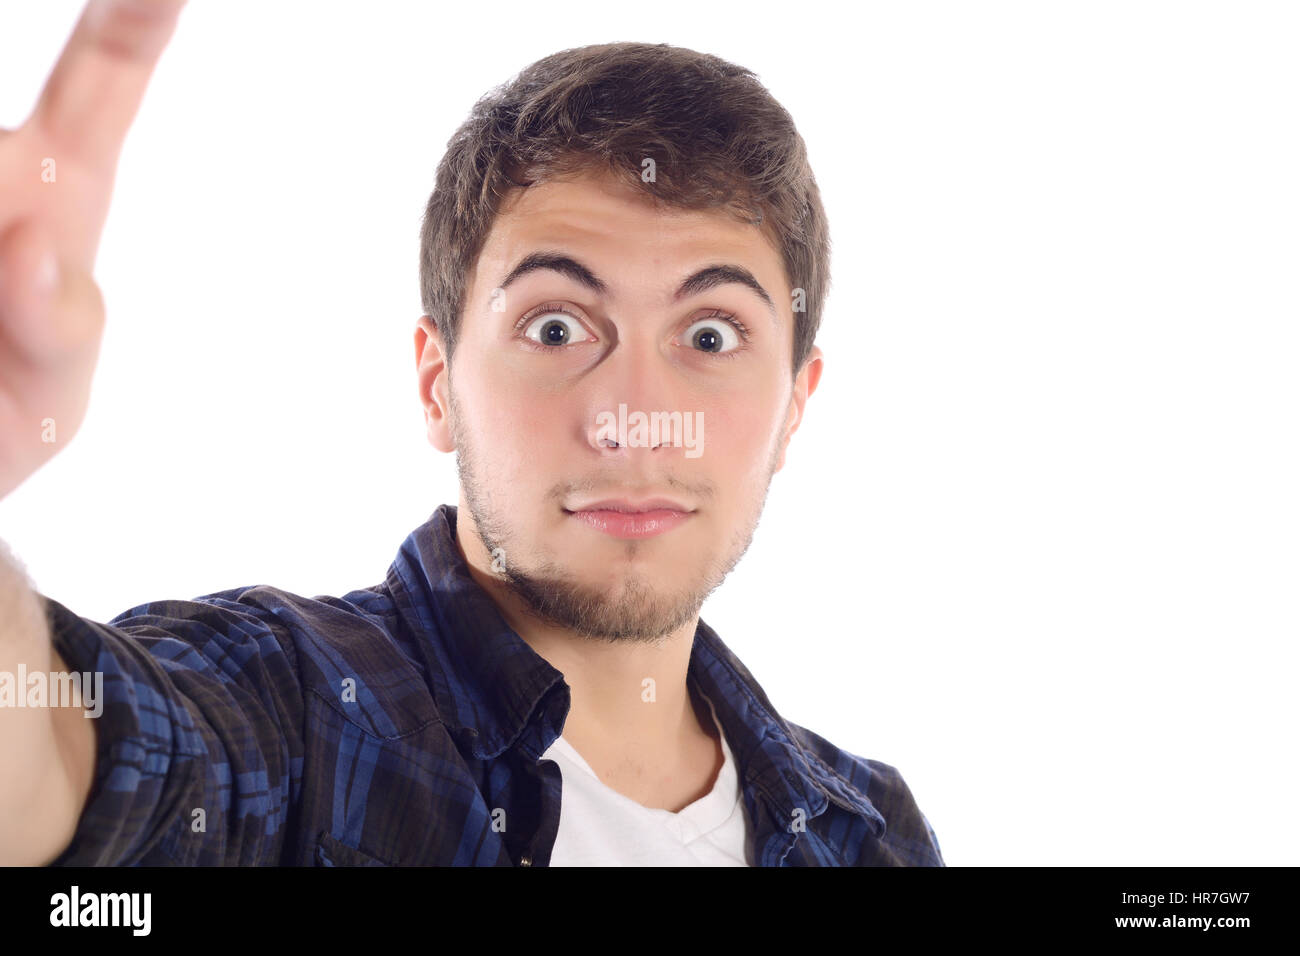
(623, 265)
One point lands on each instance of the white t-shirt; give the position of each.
(601, 827)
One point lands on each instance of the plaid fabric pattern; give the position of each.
(403, 724)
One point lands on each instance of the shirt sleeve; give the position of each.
(933, 839)
(199, 715)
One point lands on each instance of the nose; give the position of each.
(632, 397)
(617, 430)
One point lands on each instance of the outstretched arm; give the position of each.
(56, 181)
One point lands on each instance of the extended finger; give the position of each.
(95, 89)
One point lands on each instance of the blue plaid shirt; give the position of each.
(404, 724)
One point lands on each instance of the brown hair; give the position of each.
(717, 137)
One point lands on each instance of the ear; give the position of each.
(432, 377)
(805, 383)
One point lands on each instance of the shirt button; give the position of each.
(525, 861)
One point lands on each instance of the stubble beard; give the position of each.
(631, 610)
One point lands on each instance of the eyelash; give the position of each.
(543, 309)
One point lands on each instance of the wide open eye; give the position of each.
(712, 334)
(555, 328)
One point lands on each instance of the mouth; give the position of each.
(624, 518)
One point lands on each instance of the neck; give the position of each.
(631, 714)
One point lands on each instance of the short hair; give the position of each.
(717, 137)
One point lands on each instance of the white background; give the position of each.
(1037, 542)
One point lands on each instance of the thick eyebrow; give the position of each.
(711, 277)
(704, 279)
(556, 262)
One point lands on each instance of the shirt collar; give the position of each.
(493, 691)
(766, 746)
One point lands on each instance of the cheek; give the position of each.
(737, 437)
(514, 430)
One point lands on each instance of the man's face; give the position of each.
(543, 364)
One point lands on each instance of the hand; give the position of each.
(56, 180)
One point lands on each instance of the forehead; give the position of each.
(635, 241)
